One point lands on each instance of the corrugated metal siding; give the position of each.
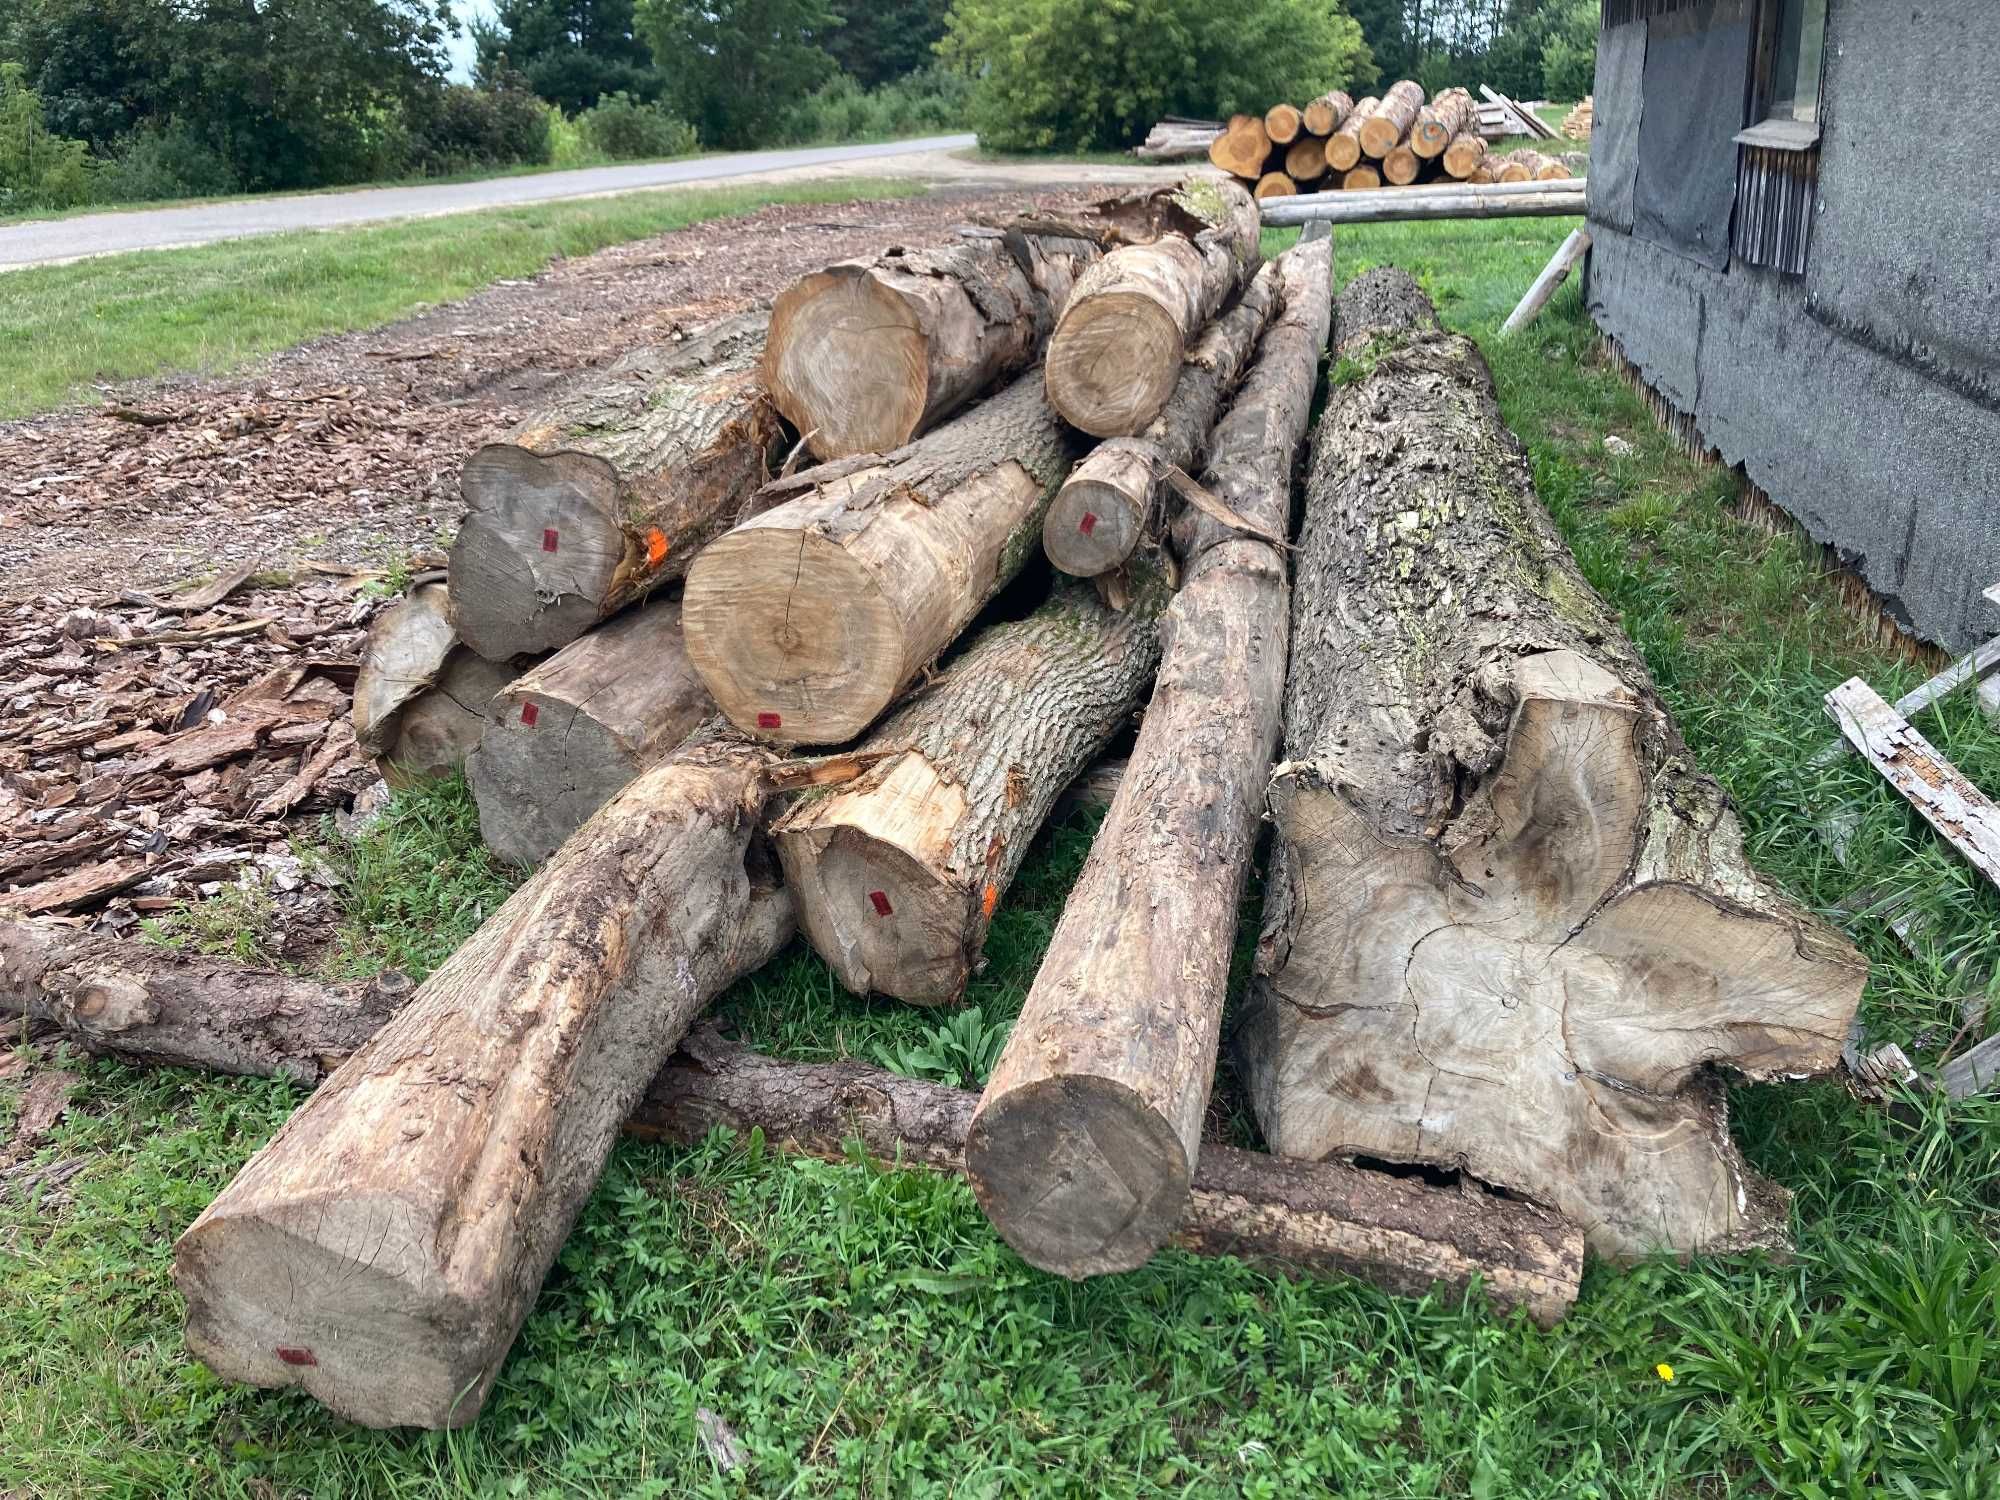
(1618, 12)
(1775, 192)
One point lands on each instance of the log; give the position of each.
(1274, 185)
(1539, 167)
(1324, 115)
(1512, 168)
(1361, 179)
(1282, 123)
(1441, 122)
(1108, 502)
(611, 490)
(566, 736)
(439, 729)
(1401, 165)
(1118, 346)
(897, 875)
(807, 621)
(1465, 154)
(383, 1248)
(1343, 145)
(1242, 148)
(1458, 201)
(1508, 927)
(865, 355)
(1305, 161)
(1544, 286)
(408, 645)
(1086, 1140)
(1392, 118)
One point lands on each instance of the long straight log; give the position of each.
(1508, 927)
(1343, 145)
(897, 874)
(1440, 122)
(1085, 1143)
(867, 354)
(1117, 349)
(567, 735)
(807, 621)
(1319, 1220)
(611, 490)
(1460, 201)
(1107, 503)
(1324, 115)
(383, 1248)
(1392, 119)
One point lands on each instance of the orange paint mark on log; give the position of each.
(988, 899)
(656, 547)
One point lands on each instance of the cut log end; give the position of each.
(1361, 179)
(1079, 1174)
(1098, 515)
(1400, 166)
(1113, 362)
(847, 351)
(1274, 185)
(1281, 123)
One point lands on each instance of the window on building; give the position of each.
(1798, 42)
(1777, 161)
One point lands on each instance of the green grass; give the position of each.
(865, 1333)
(220, 306)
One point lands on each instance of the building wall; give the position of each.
(1864, 398)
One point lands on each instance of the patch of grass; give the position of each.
(864, 1332)
(1046, 158)
(233, 923)
(219, 306)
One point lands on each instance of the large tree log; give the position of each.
(1087, 1135)
(1242, 148)
(1305, 161)
(1465, 154)
(611, 491)
(806, 622)
(1274, 185)
(1324, 115)
(1392, 119)
(896, 875)
(1282, 123)
(1106, 504)
(564, 737)
(864, 355)
(1509, 928)
(1401, 165)
(1439, 123)
(1117, 349)
(444, 724)
(1343, 146)
(383, 1248)
(1361, 179)
(1446, 201)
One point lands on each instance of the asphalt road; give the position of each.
(53, 240)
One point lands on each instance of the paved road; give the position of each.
(41, 243)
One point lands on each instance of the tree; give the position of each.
(878, 40)
(733, 67)
(1076, 74)
(572, 52)
(1569, 56)
(100, 66)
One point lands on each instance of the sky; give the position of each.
(461, 45)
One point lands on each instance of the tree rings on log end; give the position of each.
(847, 364)
(1095, 520)
(1079, 1174)
(1113, 362)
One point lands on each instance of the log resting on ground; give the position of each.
(1087, 1134)
(1117, 348)
(445, 723)
(1107, 503)
(807, 621)
(611, 490)
(1465, 154)
(1324, 114)
(1509, 927)
(383, 1248)
(867, 354)
(1458, 200)
(408, 645)
(1392, 119)
(565, 736)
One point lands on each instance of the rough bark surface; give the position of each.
(1343, 146)
(1509, 928)
(1107, 503)
(1324, 115)
(808, 620)
(1441, 121)
(896, 875)
(611, 491)
(1392, 120)
(865, 355)
(566, 736)
(408, 645)
(1085, 1144)
(383, 1248)
(1117, 348)
(441, 727)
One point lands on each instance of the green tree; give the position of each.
(733, 67)
(880, 40)
(1569, 55)
(37, 169)
(572, 52)
(1077, 74)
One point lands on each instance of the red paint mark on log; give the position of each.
(529, 713)
(295, 1356)
(769, 721)
(881, 903)
(1089, 522)
(549, 540)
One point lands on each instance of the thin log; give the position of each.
(1085, 1143)
(566, 736)
(1508, 928)
(1459, 201)
(1343, 144)
(1117, 349)
(865, 355)
(1282, 123)
(1441, 122)
(1544, 286)
(1392, 120)
(1108, 502)
(611, 490)
(1324, 115)
(807, 621)
(1463, 157)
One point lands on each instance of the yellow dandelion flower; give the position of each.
(1665, 1372)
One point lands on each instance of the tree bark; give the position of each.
(1274, 185)
(1538, 167)
(383, 1248)
(897, 875)
(408, 645)
(1241, 149)
(1343, 146)
(1513, 168)
(1324, 115)
(1465, 154)
(1392, 120)
(1508, 927)
(1440, 122)
(611, 491)
(1118, 346)
(440, 728)
(867, 354)
(1086, 1139)
(1456, 201)
(1306, 160)
(807, 621)
(568, 735)
(1107, 503)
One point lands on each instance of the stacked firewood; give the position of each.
(810, 672)
(1580, 121)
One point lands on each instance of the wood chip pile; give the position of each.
(806, 624)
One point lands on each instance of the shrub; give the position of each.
(627, 129)
(168, 161)
(926, 102)
(1569, 57)
(37, 169)
(569, 143)
(456, 128)
(1074, 74)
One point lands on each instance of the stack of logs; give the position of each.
(1395, 139)
(1509, 933)
(1581, 120)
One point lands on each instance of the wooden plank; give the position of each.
(1962, 814)
(1531, 123)
(1978, 665)
(1973, 1071)
(1544, 286)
